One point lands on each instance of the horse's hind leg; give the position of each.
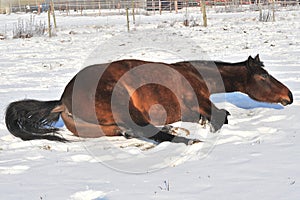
(84, 129)
(151, 132)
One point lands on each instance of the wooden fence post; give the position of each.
(133, 13)
(159, 6)
(127, 16)
(99, 8)
(153, 6)
(53, 13)
(67, 9)
(260, 12)
(39, 8)
(49, 22)
(273, 8)
(203, 8)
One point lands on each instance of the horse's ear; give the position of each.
(257, 58)
(250, 61)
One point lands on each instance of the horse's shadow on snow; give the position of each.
(241, 100)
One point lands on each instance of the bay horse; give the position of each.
(133, 97)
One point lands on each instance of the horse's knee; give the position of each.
(218, 118)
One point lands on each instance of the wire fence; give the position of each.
(7, 6)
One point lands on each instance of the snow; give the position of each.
(255, 156)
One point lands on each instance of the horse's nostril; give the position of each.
(291, 97)
(287, 100)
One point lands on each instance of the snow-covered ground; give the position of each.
(256, 156)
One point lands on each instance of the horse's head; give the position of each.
(261, 86)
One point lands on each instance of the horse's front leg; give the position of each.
(217, 117)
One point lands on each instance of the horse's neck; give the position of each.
(234, 77)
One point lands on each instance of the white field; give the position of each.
(256, 156)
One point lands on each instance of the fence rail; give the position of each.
(63, 5)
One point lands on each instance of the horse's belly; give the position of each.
(157, 103)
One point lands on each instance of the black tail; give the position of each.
(31, 120)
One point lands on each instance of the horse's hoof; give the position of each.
(194, 141)
(167, 129)
(226, 117)
(128, 134)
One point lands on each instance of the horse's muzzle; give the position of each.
(288, 101)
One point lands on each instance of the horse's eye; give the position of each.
(265, 76)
